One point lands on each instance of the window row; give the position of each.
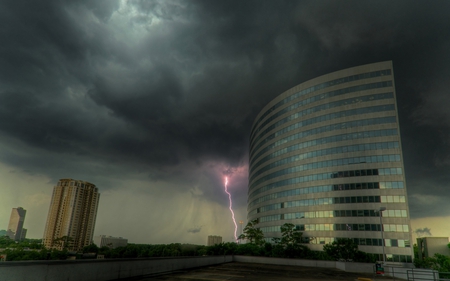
(299, 114)
(331, 201)
(334, 214)
(323, 86)
(329, 163)
(374, 172)
(66, 183)
(323, 129)
(331, 139)
(325, 176)
(327, 151)
(395, 258)
(324, 118)
(401, 243)
(344, 200)
(342, 227)
(328, 188)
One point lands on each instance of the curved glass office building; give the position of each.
(326, 156)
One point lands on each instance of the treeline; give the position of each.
(341, 249)
(32, 249)
(29, 249)
(148, 250)
(22, 251)
(6, 242)
(290, 245)
(25, 254)
(344, 249)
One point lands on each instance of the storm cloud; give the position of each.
(162, 94)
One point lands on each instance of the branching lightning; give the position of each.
(231, 208)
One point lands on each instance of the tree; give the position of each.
(276, 240)
(59, 255)
(5, 241)
(63, 242)
(253, 234)
(291, 239)
(92, 248)
(438, 262)
(31, 244)
(290, 235)
(416, 251)
(342, 249)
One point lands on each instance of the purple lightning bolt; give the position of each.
(231, 210)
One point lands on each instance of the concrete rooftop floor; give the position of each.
(259, 272)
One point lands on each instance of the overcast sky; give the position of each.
(153, 102)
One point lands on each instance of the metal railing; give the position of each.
(412, 274)
(426, 274)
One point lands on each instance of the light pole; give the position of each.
(381, 230)
(240, 240)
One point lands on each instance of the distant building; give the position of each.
(213, 240)
(24, 234)
(71, 217)
(15, 229)
(428, 246)
(109, 241)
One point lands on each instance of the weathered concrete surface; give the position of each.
(345, 266)
(238, 271)
(104, 270)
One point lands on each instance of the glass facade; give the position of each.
(326, 156)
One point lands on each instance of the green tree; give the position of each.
(442, 263)
(438, 262)
(59, 255)
(64, 242)
(290, 235)
(416, 251)
(345, 249)
(105, 250)
(131, 251)
(92, 248)
(31, 244)
(276, 240)
(229, 248)
(250, 249)
(5, 241)
(253, 234)
(202, 250)
(291, 239)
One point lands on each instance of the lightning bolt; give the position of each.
(231, 208)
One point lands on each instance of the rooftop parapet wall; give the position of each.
(100, 270)
(114, 269)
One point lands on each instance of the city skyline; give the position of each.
(153, 101)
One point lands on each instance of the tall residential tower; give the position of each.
(326, 156)
(72, 214)
(15, 229)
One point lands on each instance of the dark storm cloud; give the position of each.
(163, 87)
(423, 231)
(195, 229)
